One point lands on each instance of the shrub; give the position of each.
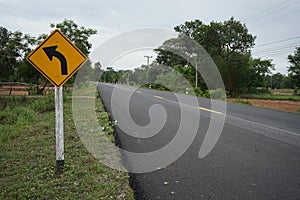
(216, 94)
(198, 92)
(241, 101)
(17, 115)
(296, 92)
(44, 104)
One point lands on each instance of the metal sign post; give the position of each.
(59, 129)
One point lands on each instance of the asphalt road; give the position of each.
(256, 157)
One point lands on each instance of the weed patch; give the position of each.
(241, 101)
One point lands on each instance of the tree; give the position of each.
(172, 81)
(139, 75)
(7, 60)
(276, 81)
(110, 75)
(294, 68)
(229, 43)
(24, 71)
(11, 51)
(287, 82)
(257, 73)
(78, 35)
(97, 71)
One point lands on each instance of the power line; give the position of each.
(278, 41)
(270, 11)
(264, 11)
(272, 19)
(272, 49)
(276, 51)
(279, 47)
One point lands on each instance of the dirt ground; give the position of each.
(19, 90)
(291, 106)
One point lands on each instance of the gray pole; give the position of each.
(196, 75)
(128, 79)
(59, 129)
(148, 57)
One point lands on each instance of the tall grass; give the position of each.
(15, 115)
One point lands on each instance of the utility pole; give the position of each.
(196, 75)
(128, 82)
(148, 57)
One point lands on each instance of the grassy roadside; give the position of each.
(272, 97)
(27, 167)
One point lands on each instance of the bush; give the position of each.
(216, 94)
(241, 101)
(296, 92)
(158, 87)
(198, 92)
(44, 104)
(35, 90)
(18, 115)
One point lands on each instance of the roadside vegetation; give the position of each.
(267, 96)
(27, 153)
(27, 135)
(241, 101)
(229, 43)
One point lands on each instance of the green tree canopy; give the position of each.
(229, 43)
(79, 35)
(294, 68)
(13, 48)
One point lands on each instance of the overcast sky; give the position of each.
(270, 20)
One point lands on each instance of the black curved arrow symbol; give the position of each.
(51, 51)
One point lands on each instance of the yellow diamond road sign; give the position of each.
(57, 58)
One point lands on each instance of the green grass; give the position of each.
(241, 101)
(27, 166)
(273, 97)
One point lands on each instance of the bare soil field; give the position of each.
(285, 105)
(13, 90)
(19, 90)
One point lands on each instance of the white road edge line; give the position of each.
(266, 126)
(255, 123)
